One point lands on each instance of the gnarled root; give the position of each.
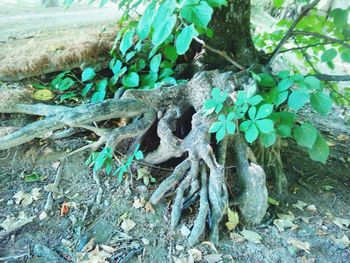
(213, 192)
(253, 197)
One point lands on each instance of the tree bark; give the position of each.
(231, 26)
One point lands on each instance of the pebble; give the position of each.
(10, 202)
(145, 241)
(185, 231)
(179, 248)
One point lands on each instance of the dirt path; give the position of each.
(35, 40)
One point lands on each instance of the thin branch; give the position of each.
(290, 30)
(219, 52)
(313, 34)
(311, 45)
(326, 77)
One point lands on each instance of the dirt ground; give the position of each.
(310, 223)
(44, 219)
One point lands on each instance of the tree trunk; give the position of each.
(231, 27)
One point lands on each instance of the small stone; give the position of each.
(106, 203)
(43, 215)
(10, 202)
(185, 231)
(145, 241)
(179, 248)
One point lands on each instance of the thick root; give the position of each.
(253, 197)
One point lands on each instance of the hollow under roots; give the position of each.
(199, 175)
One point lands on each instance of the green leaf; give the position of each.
(184, 39)
(252, 133)
(126, 42)
(312, 83)
(139, 155)
(320, 150)
(165, 11)
(244, 126)
(155, 63)
(200, 14)
(268, 139)
(230, 127)
(86, 89)
(298, 99)
(170, 53)
(65, 84)
(215, 127)
(340, 17)
(217, 3)
(88, 74)
(321, 103)
(283, 74)
(329, 55)
(284, 84)
(220, 134)
(284, 130)
(345, 56)
(255, 100)
(278, 3)
(267, 80)
(281, 97)
(162, 32)
(265, 125)
(305, 135)
(252, 112)
(131, 80)
(145, 23)
(264, 111)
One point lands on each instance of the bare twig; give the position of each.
(219, 52)
(314, 34)
(290, 31)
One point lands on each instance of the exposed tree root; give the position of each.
(200, 174)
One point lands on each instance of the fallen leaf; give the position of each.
(89, 245)
(300, 205)
(233, 219)
(209, 244)
(282, 224)
(342, 243)
(183, 259)
(272, 201)
(251, 236)
(145, 241)
(108, 248)
(149, 208)
(31, 178)
(299, 244)
(194, 255)
(343, 137)
(64, 209)
(341, 222)
(127, 225)
(94, 256)
(304, 259)
(26, 199)
(138, 203)
(311, 208)
(13, 223)
(43, 95)
(289, 216)
(236, 237)
(213, 258)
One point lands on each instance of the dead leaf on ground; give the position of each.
(180, 260)
(149, 208)
(299, 244)
(26, 199)
(288, 216)
(194, 255)
(209, 244)
(251, 236)
(213, 258)
(341, 222)
(127, 225)
(300, 205)
(94, 256)
(233, 219)
(13, 223)
(304, 259)
(236, 237)
(139, 203)
(311, 208)
(282, 224)
(342, 243)
(64, 209)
